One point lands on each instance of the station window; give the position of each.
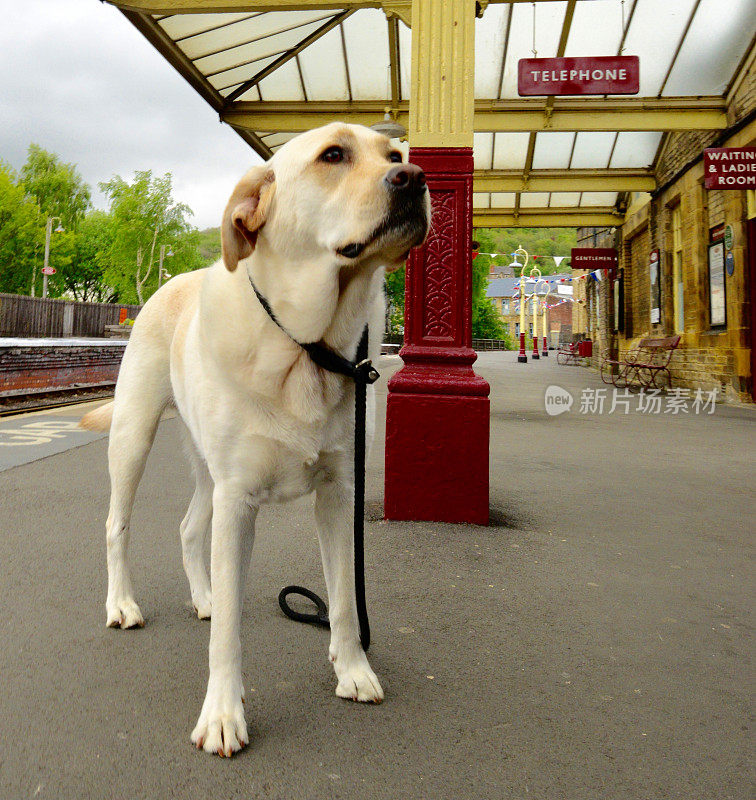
(505, 306)
(530, 328)
(517, 328)
(677, 270)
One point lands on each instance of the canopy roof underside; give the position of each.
(272, 70)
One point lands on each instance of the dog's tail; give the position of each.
(98, 419)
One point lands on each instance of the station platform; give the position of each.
(29, 367)
(593, 642)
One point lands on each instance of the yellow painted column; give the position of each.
(442, 100)
(437, 397)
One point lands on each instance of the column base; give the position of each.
(535, 356)
(437, 458)
(522, 359)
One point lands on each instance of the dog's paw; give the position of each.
(359, 683)
(124, 614)
(203, 605)
(221, 727)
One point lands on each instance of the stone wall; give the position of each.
(708, 357)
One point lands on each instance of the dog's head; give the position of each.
(340, 192)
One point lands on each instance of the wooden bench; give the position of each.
(574, 353)
(646, 365)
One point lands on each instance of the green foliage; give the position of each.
(209, 243)
(57, 187)
(81, 270)
(537, 242)
(146, 218)
(22, 233)
(395, 300)
(486, 322)
(103, 256)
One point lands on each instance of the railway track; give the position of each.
(22, 402)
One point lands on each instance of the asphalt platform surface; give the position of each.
(593, 643)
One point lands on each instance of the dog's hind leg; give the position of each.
(194, 530)
(142, 393)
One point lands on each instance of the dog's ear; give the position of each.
(246, 212)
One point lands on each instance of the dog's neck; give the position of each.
(315, 300)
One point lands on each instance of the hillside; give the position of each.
(210, 245)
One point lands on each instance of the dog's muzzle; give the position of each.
(407, 219)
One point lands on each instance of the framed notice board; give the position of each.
(654, 282)
(717, 296)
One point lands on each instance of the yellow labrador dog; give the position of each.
(312, 230)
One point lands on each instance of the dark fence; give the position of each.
(46, 317)
(491, 344)
(478, 344)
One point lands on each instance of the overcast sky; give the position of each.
(79, 80)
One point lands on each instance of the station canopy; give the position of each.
(274, 69)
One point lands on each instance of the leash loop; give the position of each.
(320, 617)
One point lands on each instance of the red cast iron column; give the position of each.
(437, 422)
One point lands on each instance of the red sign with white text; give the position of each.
(730, 167)
(582, 75)
(593, 258)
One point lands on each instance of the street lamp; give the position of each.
(163, 254)
(532, 285)
(48, 236)
(527, 291)
(522, 357)
(542, 290)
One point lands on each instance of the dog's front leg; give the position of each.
(333, 513)
(221, 727)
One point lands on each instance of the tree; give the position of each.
(537, 242)
(22, 230)
(59, 191)
(486, 322)
(395, 300)
(210, 245)
(83, 260)
(58, 188)
(145, 217)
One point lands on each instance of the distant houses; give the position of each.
(504, 292)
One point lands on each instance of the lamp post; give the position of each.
(522, 356)
(542, 290)
(163, 254)
(535, 355)
(48, 236)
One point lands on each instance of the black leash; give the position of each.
(362, 372)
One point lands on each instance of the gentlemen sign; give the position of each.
(730, 167)
(593, 258)
(583, 75)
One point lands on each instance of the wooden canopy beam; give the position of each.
(572, 217)
(572, 180)
(636, 114)
(218, 6)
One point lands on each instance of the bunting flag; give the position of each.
(557, 259)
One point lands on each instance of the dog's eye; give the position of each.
(396, 157)
(333, 155)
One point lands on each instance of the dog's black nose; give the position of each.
(406, 177)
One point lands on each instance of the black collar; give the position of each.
(360, 370)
